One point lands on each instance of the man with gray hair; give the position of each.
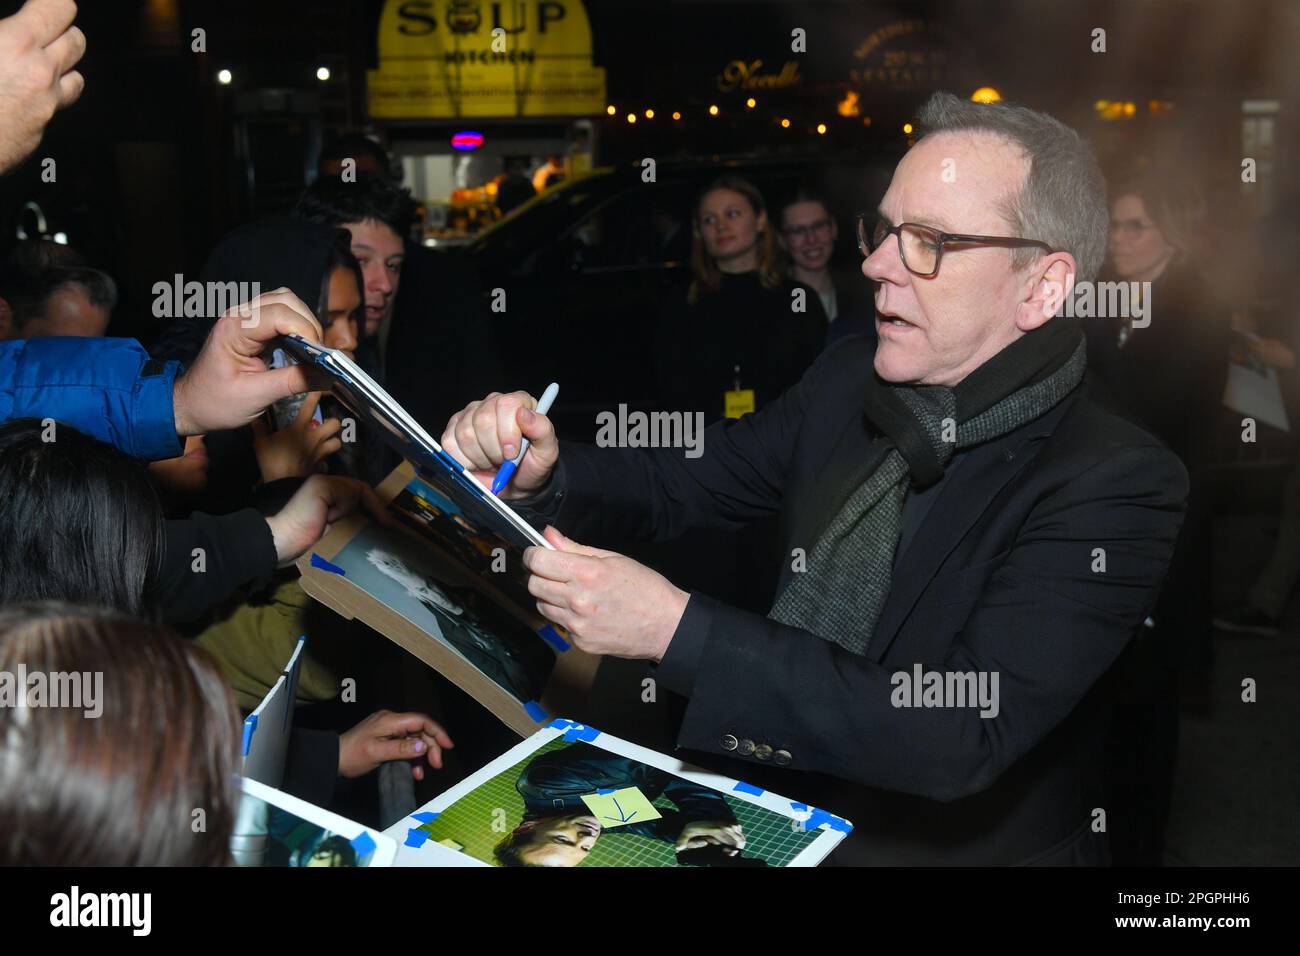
(958, 512)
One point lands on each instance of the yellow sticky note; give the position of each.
(620, 807)
(738, 402)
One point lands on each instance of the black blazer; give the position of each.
(999, 577)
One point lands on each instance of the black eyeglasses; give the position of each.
(921, 247)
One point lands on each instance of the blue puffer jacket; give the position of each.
(108, 388)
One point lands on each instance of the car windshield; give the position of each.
(551, 210)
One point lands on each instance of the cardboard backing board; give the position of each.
(608, 802)
(267, 728)
(453, 618)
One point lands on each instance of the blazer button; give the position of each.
(746, 748)
(728, 742)
(781, 758)
(762, 752)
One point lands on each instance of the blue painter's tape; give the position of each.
(559, 723)
(416, 838)
(250, 728)
(553, 638)
(535, 711)
(579, 732)
(605, 790)
(742, 787)
(318, 562)
(818, 817)
(457, 473)
(363, 844)
(426, 816)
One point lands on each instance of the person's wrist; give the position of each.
(533, 494)
(181, 408)
(675, 607)
(345, 755)
(282, 537)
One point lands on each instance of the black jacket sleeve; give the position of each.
(206, 558)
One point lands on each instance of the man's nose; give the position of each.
(378, 280)
(886, 263)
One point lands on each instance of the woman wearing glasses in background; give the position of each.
(809, 235)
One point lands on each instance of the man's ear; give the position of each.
(1054, 282)
(7, 329)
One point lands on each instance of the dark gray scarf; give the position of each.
(840, 595)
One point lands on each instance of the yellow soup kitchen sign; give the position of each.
(442, 59)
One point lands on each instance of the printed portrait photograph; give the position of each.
(570, 803)
(469, 530)
(397, 571)
(270, 836)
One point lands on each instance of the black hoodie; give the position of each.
(273, 253)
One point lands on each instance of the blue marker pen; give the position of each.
(507, 470)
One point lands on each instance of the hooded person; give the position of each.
(317, 264)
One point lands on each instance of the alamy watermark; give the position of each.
(133, 911)
(922, 688)
(178, 298)
(79, 690)
(1106, 300)
(626, 429)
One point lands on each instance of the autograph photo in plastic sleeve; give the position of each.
(395, 570)
(573, 804)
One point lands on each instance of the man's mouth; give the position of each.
(892, 320)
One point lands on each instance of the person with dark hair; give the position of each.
(558, 829)
(47, 290)
(333, 851)
(377, 214)
(166, 741)
(431, 342)
(738, 325)
(317, 264)
(82, 523)
(972, 539)
(808, 235)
